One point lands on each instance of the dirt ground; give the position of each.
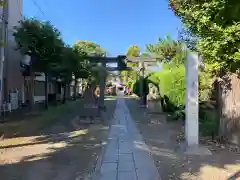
(161, 138)
(68, 150)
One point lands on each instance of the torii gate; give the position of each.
(101, 62)
(192, 65)
(143, 63)
(122, 61)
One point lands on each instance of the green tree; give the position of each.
(91, 49)
(64, 69)
(76, 65)
(167, 50)
(187, 38)
(130, 76)
(133, 51)
(43, 42)
(215, 24)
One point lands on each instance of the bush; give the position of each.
(206, 80)
(136, 87)
(208, 124)
(178, 114)
(171, 82)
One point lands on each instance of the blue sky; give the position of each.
(113, 24)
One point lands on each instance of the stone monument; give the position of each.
(191, 146)
(90, 108)
(153, 99)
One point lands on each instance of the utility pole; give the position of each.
(4, 22)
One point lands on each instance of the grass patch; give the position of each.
(29, 125)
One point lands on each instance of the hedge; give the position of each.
(171, 83)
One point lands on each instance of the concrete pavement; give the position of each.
(126, 156)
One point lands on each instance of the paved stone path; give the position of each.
(126, 156)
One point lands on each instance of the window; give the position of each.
(39, 88)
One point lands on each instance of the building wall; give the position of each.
(14, 13)
(39, 88)
(13, 78)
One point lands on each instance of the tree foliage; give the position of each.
(131, 76)
(90, 48)
(43, 41)
(187, 38)
(133, 51)
(237, 55)
(40, 39)
(83, 48)
(167, 50)
(216, 24)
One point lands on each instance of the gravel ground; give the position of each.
(161, 138)
(68, 150)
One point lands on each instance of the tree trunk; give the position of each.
(64, 93)
(31, 87)
(46, 90)
(56, 92)
(82, 86)
(219, 101)
(24, 90)
(75, 88)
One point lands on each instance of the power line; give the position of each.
(35, 3)
(49, 9)
(39, 8)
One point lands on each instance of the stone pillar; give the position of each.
(192, 124)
